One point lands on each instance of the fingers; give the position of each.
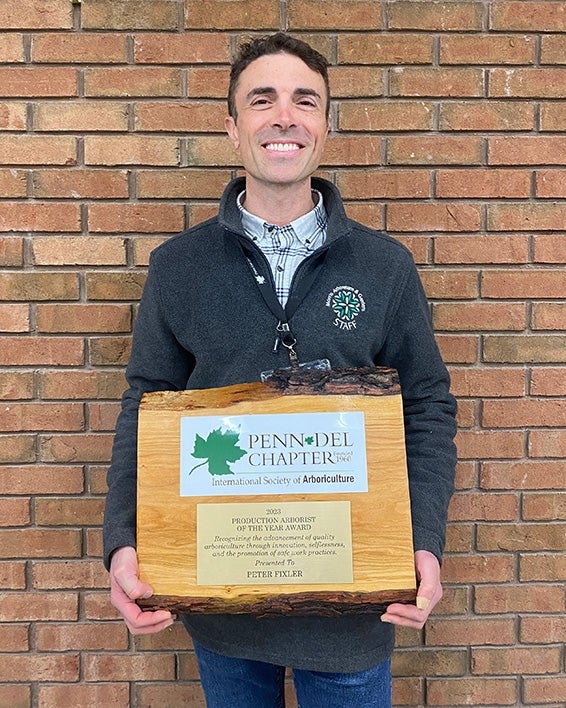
(126, 587)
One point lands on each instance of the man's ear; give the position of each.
(232, 130)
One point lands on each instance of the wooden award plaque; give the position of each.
(289, 496)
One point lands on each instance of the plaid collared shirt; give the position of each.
(286, 246)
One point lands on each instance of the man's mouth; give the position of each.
(282, 147)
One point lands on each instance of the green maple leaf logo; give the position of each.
(218, 450)
(309, 440)
(346, 305)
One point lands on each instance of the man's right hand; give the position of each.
(126, 587)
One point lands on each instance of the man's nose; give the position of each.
(284, 116)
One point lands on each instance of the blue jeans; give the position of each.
(242, 683)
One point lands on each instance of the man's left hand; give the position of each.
(429, 594)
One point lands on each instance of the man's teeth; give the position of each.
(282, 147)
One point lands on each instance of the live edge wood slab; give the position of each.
(381, 537)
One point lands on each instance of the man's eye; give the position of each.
(260, 102)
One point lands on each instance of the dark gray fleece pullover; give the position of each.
(203, 323)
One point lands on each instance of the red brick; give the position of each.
(395, 115)
(93, 543)
(85, 511)
(524, 413)
(11, 250)
(373, 48)
(39, 216)
(408, 691)
(81, 384)
(16, 385)
(525, 660)
(422, 82)
(68, 575)
(483, 183)
(442, 16)
(12, 575)
(472, 691)
(79, 48)
(455, 601)
(114, 286)
(96, 480)
(54, 14)
(133, 81)
(233, 14)
(15, 511)
(140, 218)
(551, 184)
(422, 217)
(547, 443)
(181, 117)
(182, 183)
(446, 662)
(41, 416)
(201, 212)
(542, 567)
(13, 638)
(196, 48)
(41, 479)
(521, 349)
(207, 82)
(549, 248)
(487, 49)
(38, 286)
(550, 689)
(174, 638)
(479, 316)
(110, 351)
(79, 251)
(93, 447)
(536, 16)
(11, 48)
(522, 475)
(493, 382)
(480, 506)
(500, 599)
(549, 316)
(548, 382)
(377, 184)
(132, 667)
(26, 351)
(552, 116)
(549, 506)
(38, 82)
(490, 444)
(80, 116)
(359, 150)
(355, 81)
(125, 15)
(80, 183)
(542, 630)
(14, 318)
(131, 150)
(458, 632)
(481, 249)
(477, 568)
(175, 694)
(553, 49)
(143, 246)
(346, 14)
(468, 414)
(14, 695)
(16, 449)
(39, 543)
(526, 150)
(527, 83)
(83, 318)
(35, 149)
(12, 184)
(103, 694)
(38, 667)
(103, 416)
(493, 116)
(521, 537)
(523, 284)
(458, 349)
(13, 116)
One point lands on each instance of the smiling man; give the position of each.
(282, 277)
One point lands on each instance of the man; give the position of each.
(209, 318)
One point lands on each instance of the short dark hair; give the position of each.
(277, 43)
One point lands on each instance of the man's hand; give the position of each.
(125, 587)
(429, 594)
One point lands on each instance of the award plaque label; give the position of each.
(276, 498)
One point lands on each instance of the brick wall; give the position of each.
(449, 132)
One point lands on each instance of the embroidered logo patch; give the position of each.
(346, 303)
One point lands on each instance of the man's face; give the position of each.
(281, 124)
